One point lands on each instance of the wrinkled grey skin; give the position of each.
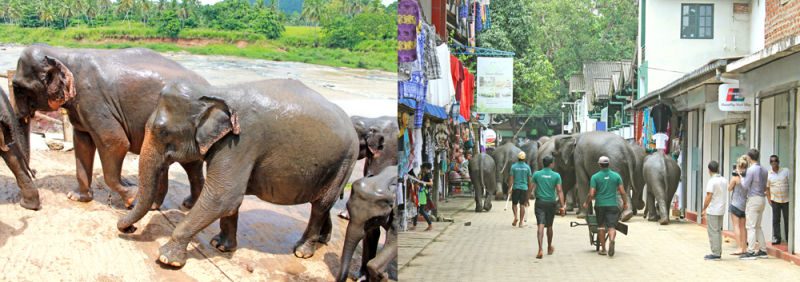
(108, 96)
(482, 176)
(531, 149)
(16, 153)
(504, 157)
(638, 177)
(662, 175)
(275, 139)
(371, 206)
(543, 140)
(580, 152)
(377, 142)
(567, 179)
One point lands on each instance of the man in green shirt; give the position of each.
(605, 184)
(545, 184)
(518, 184)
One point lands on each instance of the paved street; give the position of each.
(493, 250)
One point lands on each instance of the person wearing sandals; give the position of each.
(519, 187)
(423, 197)
(545, 184)
(738, 201)
(604, 186)
(714, 209)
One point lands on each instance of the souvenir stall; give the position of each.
(656, 129)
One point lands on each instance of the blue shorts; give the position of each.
(736, 211)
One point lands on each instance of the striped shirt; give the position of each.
(778, 184)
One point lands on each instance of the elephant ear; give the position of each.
(375, 142)
(567, 148)
(218, 119)
(58, 80)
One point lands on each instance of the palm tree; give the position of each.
(67, 11)
(127, 5)
(145, 6)
(354, 7)
(374, 6)
(183, 12)
(274, 6)
(312, 9)
(90, 11)
(104, 6)
(259, 5)
(161, 6)
(47, 15)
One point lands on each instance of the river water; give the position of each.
(369, 93)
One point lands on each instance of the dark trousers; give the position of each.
(777, 209)
(421, 210)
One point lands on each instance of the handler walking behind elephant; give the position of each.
(604, 185)
(545, 183)
(714, 209)
(755, 181)
(519, 182)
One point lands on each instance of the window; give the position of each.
(697, 21)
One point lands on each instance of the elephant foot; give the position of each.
(223, 242)
(189, 202)
(487, 206)
(664, 221)
(626, 215)
(498, 196)
(635, 211)
(478, 208)
(172, 253)
(324, 238)
(128, 195)
(569, 208)
(77, 196)
(305, 248)
(30, 199)
(653, 218)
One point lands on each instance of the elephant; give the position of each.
(289, 146)
(482, 175)
(108, 96)
(531, 149)
(576, 156)
(662, 174)
(546, 149)
(16, 153)
(377, 142)
(638, 178)
(372, 205)
(543, 140)
(504, 157)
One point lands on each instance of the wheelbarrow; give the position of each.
(594, 234)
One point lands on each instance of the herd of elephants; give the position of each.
(576, 158)
(276, 139)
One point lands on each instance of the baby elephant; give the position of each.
(662, 175)
(16, 153)
(275, 139)
(372, 205)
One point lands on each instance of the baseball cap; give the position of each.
(521, 155)
(603, 160)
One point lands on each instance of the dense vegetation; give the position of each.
(353, 33)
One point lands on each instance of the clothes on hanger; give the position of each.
(408, 12)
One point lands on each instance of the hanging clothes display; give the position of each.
(431, 65)
(408, 12)
(661, 115)
(440, 90)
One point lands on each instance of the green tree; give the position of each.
(312, 10)
(67, 10)
(126, 5)
(168, 24)
(266, 23)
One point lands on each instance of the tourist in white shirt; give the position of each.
(778, 183)
(714, 209)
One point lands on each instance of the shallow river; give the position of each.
(361, 92)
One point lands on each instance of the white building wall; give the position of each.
(669, 57)
(758, 12)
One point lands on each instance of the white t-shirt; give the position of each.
(718, 187)
(661, 141)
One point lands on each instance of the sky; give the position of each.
(385, 2)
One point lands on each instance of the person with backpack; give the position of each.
(424, 196)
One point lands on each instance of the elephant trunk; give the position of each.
(355, 233)
(151, 166)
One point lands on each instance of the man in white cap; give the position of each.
(605, 184)
(519, 185)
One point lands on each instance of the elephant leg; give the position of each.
(369, 249)
(582, 186)
(306, 246)
(377, 265)
(84, 159)
(163, 187)
(477, 188)
(661, 206)
(194, 170)
(326, 230)
(30, 195)
(112, 148)
(225, 241)
(487, 203)
(650, 211)
(570, 200)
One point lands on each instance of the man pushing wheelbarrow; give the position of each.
(604, 186)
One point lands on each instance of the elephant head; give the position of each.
(564, 149)
(371, 205)
(183, 127)
(377, 142)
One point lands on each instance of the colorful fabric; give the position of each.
(478, 18)
(431, 60)
(440, 90)
(407, 21)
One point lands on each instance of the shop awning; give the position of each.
(431, 110)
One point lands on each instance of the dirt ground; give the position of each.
(71, 241)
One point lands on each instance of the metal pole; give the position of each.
(562, 122)
(792, 172)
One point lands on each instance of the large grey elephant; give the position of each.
(567, 179)
(504, 157)
(482, 176)
(16, 153)
(108, 96)
(275, 139)
(377, 140)
(531, 149)
(662, 174)
(576, 155)
(371, 206)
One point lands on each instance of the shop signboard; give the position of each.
(482, 118)
(730, 99)
(495, 85)
(490, 135)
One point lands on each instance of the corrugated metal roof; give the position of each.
(601, 87)
(627, 71)
(616, 79)
(576, 83)
(598, 69)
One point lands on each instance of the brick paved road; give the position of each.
(493, 250)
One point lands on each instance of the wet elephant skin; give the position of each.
(108, 95)
(372, 205)
(15, 151)
(377, 141)
(275, 139)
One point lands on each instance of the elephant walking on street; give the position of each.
(372, 206)
(482, 175)
(276, 139)
(662, 174)
(504, 157)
